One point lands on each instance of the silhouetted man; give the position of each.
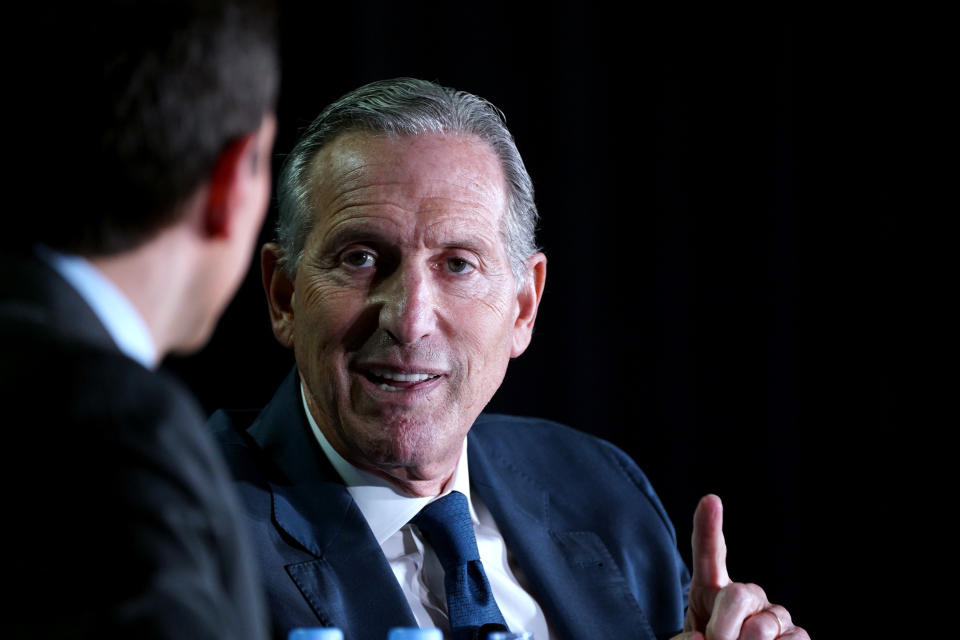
(149, 179)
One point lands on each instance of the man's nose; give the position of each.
(407, 304)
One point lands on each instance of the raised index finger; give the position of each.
(709, 548)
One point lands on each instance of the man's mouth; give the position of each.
(391, 380)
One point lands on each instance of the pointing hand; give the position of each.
(719, 609)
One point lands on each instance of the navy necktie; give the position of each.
(447, 526)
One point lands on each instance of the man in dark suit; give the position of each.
(405, 277)
(121, 520)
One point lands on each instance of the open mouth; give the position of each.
(389, 380)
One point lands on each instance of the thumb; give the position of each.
(709, 548)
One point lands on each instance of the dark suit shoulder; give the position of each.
(597, 506)
(588, 472)
(86, 384)
(69, 384)
(519, 430)
(121, 482)
(529, 440)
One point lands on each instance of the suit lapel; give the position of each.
(312, 506)
(571, 573)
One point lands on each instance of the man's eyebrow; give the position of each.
(475, 245)
(349, 233)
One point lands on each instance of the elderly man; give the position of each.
(122, 522)
(405, 278)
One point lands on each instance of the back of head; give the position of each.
(157, 89)
(406, 107)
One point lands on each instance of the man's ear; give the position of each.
(231, 181)
(528, 300)
(279, 289)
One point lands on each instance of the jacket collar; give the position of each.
(310, 502)
(35, 293)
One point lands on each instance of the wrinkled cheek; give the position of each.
(359, 402)
(487, 350)
(320, 363)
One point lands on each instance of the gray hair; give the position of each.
(407, 107)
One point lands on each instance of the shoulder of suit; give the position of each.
(531, 438)
(585, 470)
(83, 389)
(524, 429)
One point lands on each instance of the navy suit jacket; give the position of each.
(579, 517)
(121, 518)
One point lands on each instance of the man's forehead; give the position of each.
(459, 172)
(355, 159)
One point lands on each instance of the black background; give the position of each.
(716, 209)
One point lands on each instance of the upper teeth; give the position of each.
(401, 377)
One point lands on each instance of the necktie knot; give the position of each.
(447, 525)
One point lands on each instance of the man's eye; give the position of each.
(459, 265)
(359, 259)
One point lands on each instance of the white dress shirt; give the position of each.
(415, 565)
(114, 310)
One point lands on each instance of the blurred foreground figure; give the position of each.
(149, 177)
(405, 277)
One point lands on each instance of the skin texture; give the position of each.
(720, 609)
(404, 272)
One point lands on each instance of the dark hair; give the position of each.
(178, 82)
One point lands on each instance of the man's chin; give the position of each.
(410, 442)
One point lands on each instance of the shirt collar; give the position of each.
(118, 315)
(384, 507)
